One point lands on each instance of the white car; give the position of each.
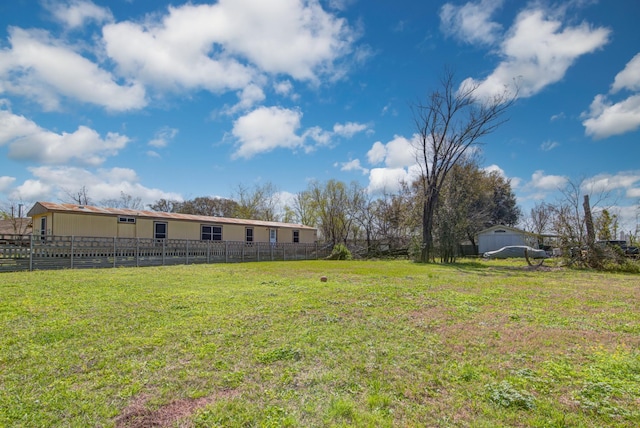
(515, 251)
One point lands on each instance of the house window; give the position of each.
(249, 234)
(296, 236)
(43, 227)
(123, 219)
(160, 230)
(211, 233)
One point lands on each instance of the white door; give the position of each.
(273, 236)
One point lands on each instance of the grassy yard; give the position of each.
(386, 343)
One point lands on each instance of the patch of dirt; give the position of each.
(174, 414)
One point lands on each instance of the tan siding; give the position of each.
(65, 224)
(127, 230)
(233, 232)
(308, 236)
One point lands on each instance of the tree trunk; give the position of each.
(428, 210)
(588, 219)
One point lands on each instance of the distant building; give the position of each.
(82, 220)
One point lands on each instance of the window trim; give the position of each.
(155, 229)
(247, 238)
(126, 219)
(296, 236)
(213, 234)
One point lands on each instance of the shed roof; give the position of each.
(44, 207)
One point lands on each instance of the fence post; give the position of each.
(115, 251)
(187, 252)
(243, 245)
(137, 251)
(164, 251)
(208, 252)
(71, 251)
(226, 251)
(31, 253)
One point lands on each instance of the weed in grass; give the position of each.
(505, 395)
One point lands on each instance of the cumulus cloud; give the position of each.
(349, 129)
(629, 78)
(267, 128)
(6, 182)
(541, 181)
(398, 158)
(223, 46)
(55, 183)
(471, 22)
(537, 52)
(352, 165)
(28, 141)
(76, 13)
(43, 69)
(608, 182)
(606, 118)
(397, 153)
(251, 95)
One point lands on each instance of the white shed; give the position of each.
(496, 237)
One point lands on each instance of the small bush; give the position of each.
(340, 252)
(505, 395)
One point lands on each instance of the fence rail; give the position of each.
(26, 252)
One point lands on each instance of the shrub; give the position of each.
(340, 252)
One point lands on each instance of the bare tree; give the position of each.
(125, 201)
(13, 213)
(258, 203)
(449, 124)
(79, 196)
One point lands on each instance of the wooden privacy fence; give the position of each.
(19, 252)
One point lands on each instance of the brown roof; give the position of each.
(41, 207)
(21, 226)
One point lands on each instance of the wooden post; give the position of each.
(115, 250)
(31, 253)
(72, 252)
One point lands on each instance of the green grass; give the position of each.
(385, 343)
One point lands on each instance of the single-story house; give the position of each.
(82, 220)
(16, 226)
(496, 237)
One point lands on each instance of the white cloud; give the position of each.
(633, 193)
(606, 118)
(32, 190)
(538, 51)
(349, 129)
(44, 70)
(55, 183)
(224, 46)
(549, 145)
(28, 141)
(471, 22)
(397, 153)
(629, 78)
(76, 13)
(251, 95)
(608, 182)
(266, 129)
(389, 180)
(352, 165)
(284, 88)
(6, 182)
(547, 182)
(163, 137)
(495, 169)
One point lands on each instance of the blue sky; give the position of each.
(177, 100)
